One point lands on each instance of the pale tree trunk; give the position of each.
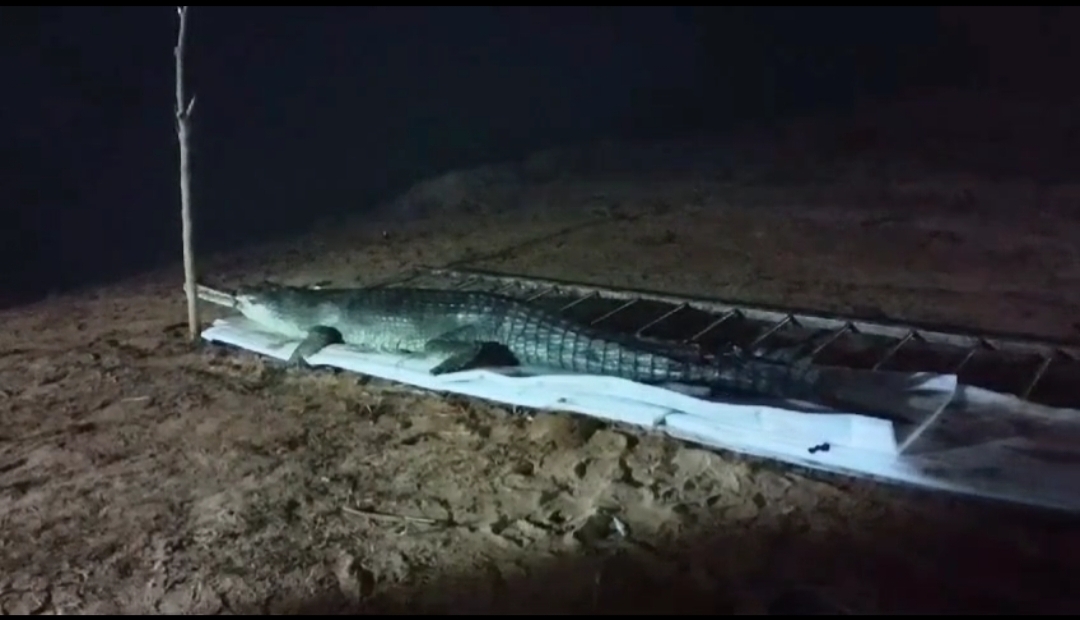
(183, 131)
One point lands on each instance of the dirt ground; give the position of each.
(139, 474)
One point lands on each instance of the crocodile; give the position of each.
(469, 329)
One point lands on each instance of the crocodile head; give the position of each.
(283, 309)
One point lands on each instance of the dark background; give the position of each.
(310, 112)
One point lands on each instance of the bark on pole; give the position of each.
(183, 132)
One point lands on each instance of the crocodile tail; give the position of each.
(763, 377)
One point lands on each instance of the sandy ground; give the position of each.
(139, 474)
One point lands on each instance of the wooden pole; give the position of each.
(183, 132)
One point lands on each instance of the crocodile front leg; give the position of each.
(317, 339)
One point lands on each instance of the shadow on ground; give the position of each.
(974, 558)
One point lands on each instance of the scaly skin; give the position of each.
(466, 328)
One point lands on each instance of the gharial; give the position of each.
(473, 329)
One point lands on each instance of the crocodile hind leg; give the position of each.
(317, 339)
(464, 355)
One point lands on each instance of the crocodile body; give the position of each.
(469, 329)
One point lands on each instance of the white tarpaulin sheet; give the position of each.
(941, 435)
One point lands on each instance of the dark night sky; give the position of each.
(307, 111)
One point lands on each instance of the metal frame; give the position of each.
(830, 328)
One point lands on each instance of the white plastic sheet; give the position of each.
(943, 436)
